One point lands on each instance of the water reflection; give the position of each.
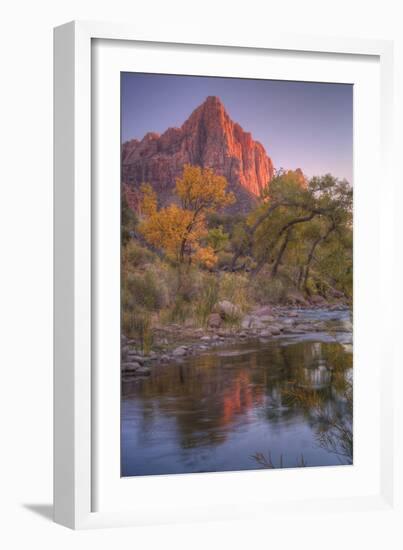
(213, 412)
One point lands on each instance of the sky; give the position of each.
(301, 124)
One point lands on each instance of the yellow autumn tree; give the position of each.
(179, 230)
(201, 190)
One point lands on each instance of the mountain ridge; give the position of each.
(208, 138)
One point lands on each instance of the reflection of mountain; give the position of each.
(239, 398)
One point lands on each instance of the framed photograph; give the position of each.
(220, 289)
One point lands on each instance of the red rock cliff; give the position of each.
(208, 138)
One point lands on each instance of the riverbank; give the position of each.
(173, 342)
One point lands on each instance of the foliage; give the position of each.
(128, 221)
(208, 296)
(267, 290)
(295, 223)
(145, 290)
(205, 256)
(217, 239)
(179, 230)
(201, 190)
(234, 287)
(171, 229)
(135, 255)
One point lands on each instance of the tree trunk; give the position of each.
(316, 242)
(235, 259)
(284, 229)
(308, 263)
(281, 253)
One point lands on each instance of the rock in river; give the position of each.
(180, 351)
(131, 367)
(264, 310)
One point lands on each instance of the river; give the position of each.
(264, 403)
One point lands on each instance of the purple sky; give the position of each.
(301, 124)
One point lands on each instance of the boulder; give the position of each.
(266, 318)
(227, 309)
(288, 322)
(296, 298)
(275, 330)
(266, 332)
(246, 322)
(133, 356)
(133, 366)
(257, 323)
(262, 311)
(214, 320)
(180, 351)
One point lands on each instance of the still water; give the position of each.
(284, 402)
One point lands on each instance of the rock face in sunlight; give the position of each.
(208, 138)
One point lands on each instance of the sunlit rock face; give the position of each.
(208, 138)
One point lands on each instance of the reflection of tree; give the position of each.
(266, 461)
(335, 431)
(330, 409)
(319, 387)
(332, 422)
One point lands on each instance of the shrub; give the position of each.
(180, 311)
(137, 324)
(187, 284)
(136, 255)
(146, 290)
(224, 259)
(268, 290)
(207, 298)
(234, 287)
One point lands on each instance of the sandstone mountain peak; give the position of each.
(208, 138)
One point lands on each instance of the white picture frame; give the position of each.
(77, 390)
